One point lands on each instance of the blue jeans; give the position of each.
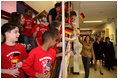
(28, 40)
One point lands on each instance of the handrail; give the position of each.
(43, 12)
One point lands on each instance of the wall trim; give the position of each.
(5, 15)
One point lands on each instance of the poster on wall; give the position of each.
(107, 32)
(112, 36)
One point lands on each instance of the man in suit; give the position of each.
(109, 54)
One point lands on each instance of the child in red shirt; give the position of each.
(66, 8)
(39, 29)
(12, 53)
(56, 25)
(35, 64)
(27, 29)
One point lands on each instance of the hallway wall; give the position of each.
(112, 32)
(112, 29)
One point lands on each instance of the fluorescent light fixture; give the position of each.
(91, 21)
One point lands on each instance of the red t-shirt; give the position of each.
(70, 21)
(61, 30)
(28, 26)
(66, 10)
(37, 59)
(7, 53)
(55, 47)
(42, 29)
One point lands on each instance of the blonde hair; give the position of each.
(97, 37)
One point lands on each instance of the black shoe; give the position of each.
(101, 73)
(91, 63)
(112, 68)
(108, 69)
(95, 69)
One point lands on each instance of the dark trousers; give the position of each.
(86, 62)
(58, 68)
(109, 62)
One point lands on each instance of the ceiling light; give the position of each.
(91, 21)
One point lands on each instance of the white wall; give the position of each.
(3, 21)
(41, 5)
(112, 30)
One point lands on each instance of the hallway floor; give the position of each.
(93, 74)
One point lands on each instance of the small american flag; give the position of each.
(48, 66)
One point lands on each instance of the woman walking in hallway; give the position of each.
(98, 53)
(87, 53)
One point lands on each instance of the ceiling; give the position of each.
(41, 5)
(95, 10)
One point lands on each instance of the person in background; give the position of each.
(17, 19)
(66, 7)
(67, 24)
(35, 64)
(103, 49)
(12, 54)
(71, 23)
(109, 54)
(98, 53)
(56, 29)
(59, 18)
(39, 29)
(56, 25)
(27, 28)
(53, 13)
(87, 53)
(72, 17)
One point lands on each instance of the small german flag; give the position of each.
(15, 58)
(82, 16)
(68, 30)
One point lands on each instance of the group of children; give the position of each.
(14, 57)
(18, 38)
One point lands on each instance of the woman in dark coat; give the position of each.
(98, 53)
(109, 54)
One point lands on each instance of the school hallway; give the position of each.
(71, 20)
(92, 73)
(91, 9)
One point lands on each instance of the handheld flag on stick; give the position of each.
(15, 58)
(69, 32)
(67, 43)
(82, 16)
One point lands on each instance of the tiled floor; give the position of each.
(93, 74)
